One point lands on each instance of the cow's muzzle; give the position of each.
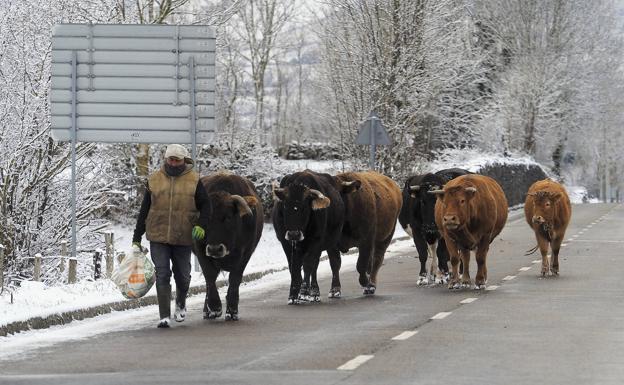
(216, 251)
(451, 222)
(295, 235)
(538, 219)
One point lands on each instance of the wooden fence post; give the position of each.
(110, 252)
(63, 256)
(97, 265)
(1, 267)
(71, 278)
(120, 257)
(37, 268)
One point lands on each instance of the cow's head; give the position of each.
(543, 206)
(456, 205)
(298, 201)
(226, 213)
(426, 201)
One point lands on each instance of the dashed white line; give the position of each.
(509, 278)
(469, 300)
(354, 363)
(536, 261)
(564, 244)
(491, 288)
(441, 315)
(524, 268)
(404, 335)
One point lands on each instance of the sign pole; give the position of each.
(73, 152)
(372, 144)
(191, 65)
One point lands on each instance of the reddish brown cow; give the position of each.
(372, 205)
(547, 210)
(470, 211)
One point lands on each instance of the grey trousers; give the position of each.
(168, 258)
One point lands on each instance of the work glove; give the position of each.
(139, 246)
(198, 233)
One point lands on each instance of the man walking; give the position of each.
(171, 207)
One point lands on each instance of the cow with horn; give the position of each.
(471, 210)
(547, 211)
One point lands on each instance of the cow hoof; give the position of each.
(480, 286)
(454, 285)
(293, 301)
(334, 293)
(212, 314)
(231, 316)
(314, 298)
(422, 281)
(369, 290)
(303, 297)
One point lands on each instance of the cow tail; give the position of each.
(533, 250)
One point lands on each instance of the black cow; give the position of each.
(308, 217)
(417, 218)
(233, 230)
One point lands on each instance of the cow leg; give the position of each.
(542, 243)
(443, 258)
(364, 265)
(481, 257)
(466, 281)
(421, 247)
(434, 273)
(334, 261)
(295, 263)
(555, 246)
(379, 252)
(234, 281)
(212, 303)
(314, 294)
(454, 254)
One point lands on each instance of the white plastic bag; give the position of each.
(135, 275)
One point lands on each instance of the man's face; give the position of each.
(174, 162)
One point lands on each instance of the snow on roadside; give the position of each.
(34, 299)
(22, 344)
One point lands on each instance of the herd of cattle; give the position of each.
(448, 213)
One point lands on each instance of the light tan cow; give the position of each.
(547, 210)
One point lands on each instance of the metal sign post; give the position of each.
(372, 132)
(124, 83)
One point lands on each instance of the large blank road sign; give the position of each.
(133, 82)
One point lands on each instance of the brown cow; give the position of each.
(470, 211)
(547, 210)
(372, 205)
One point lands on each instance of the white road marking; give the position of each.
(536, 261)
(575, 236)
(599, 241)
(354, 363)
(405, 335)
(441, 315)
(469, 300)
(524, 268)
(491, 288)
(570, 240)
(509, 278)
(564, 244)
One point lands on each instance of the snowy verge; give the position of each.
(37, 306)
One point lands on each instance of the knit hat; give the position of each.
(177, 151)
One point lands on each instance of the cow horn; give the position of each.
(436, 192)
(414, 188)
(275, 189)
(471, 189)
(320, 201)
(241, 205)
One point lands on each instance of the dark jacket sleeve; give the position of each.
(201, 202)
(139, 230)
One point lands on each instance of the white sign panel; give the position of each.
(133, 82)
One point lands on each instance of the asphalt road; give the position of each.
(527, 330)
